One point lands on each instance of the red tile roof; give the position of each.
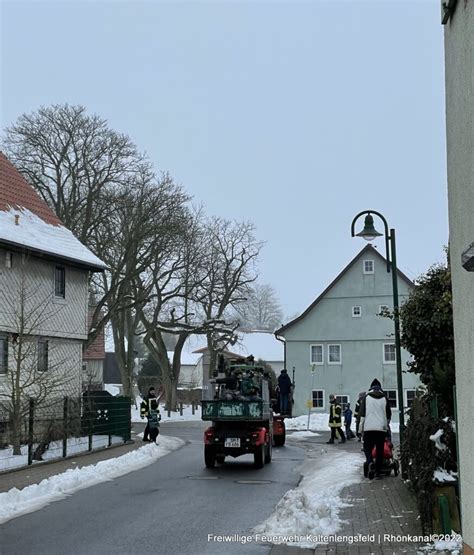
(17, 193)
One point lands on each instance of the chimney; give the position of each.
(17, 219)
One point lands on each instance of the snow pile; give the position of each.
(319, 422)
(300, 436)
(174, 416)
(14, 502)
(442, 475)
(314, 506)
(453, 546)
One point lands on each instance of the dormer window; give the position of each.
(368, 266)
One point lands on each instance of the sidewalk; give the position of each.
(33, 474)
(383, 508)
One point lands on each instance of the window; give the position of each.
(356, 312)
(368, 266)
(342, 400)
(318, 398)
(60, 282)
(392, 398)
(317, 354)
(3, 355)
(334, 354)
(389, 354)
(42, 355)
(383, 308)
(8, 259)
(410, 395)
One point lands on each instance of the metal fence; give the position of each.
(61, 428)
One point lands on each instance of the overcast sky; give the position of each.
(294, 115)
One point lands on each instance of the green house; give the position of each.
(341, 342)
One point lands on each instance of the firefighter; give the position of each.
(335, 420)
(149, 409)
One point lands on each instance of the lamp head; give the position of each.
(369, 233)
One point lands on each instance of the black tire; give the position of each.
(366, 469)
(371, 471)
(268, 453)
(220, 459)
(209, 456)
(396, 468)
(259, 456)
(279, 441)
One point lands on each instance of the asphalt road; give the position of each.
(167, 508)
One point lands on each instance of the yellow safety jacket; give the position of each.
(335, 419)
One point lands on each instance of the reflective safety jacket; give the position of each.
(335, 412)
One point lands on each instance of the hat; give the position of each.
(151, 389)
(375, 383)
(332, 397)
(283, 371)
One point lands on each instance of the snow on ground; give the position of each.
(452, 546)
(14, 502)
(319, 422)
(174, 416)
(75, 445)
(314, 506)
(302, 435)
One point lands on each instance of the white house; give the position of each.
(44, 274)
(341, 341)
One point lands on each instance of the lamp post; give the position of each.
(369, 233)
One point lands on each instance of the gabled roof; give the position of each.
(367, 249)
(26, 221)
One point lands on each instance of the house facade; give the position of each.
(341, 342)
(459, 70)
(44, 273)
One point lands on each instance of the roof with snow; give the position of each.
(260, 344)
(26, 221)
(187, 359)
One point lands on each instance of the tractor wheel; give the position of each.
(209, 456)
(220, 459)
(259, 456)
(268, 452)
(280, 439)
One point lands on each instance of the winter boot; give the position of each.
(330, 441)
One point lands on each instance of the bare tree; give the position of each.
(230, 263)
(144, 215)
(73, 160)
(261, 310)
(35, 368)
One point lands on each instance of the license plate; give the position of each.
(232, 442)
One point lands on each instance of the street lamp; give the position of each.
(369, 233)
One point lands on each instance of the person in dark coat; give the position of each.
(357, 414)
(347, 421)
(284, 388)
(149, 409)
(375, 415)
(335, 420)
